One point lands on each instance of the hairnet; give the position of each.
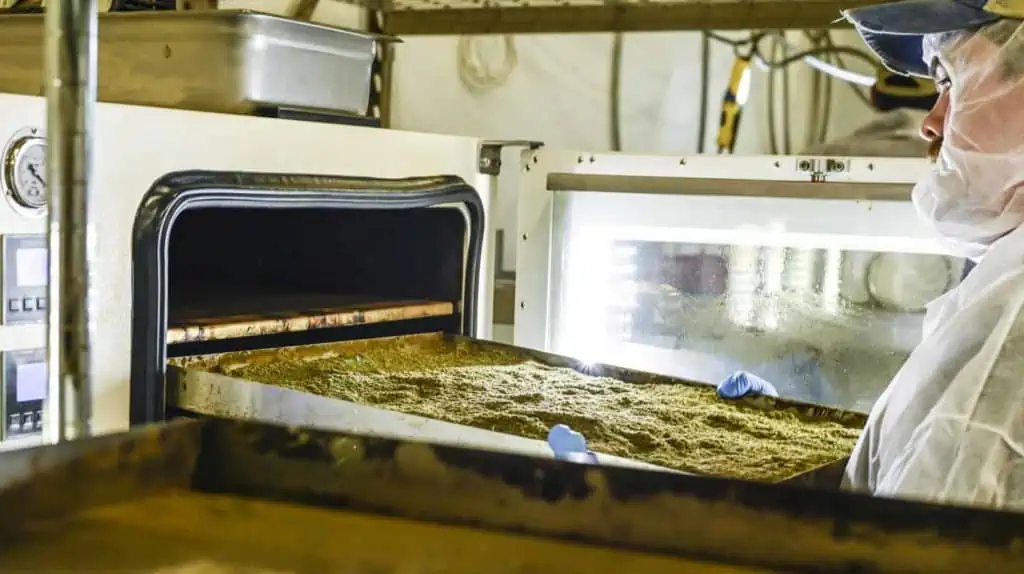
(975, 194)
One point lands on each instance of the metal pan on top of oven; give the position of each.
(227, 61)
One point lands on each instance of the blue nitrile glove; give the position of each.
(569, 445)
(743, 384)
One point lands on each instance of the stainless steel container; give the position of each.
(217, 61)
(217, 495)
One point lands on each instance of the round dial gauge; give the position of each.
(25, 172)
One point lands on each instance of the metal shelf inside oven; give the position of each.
(224, 315)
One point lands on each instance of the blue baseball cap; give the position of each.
(894, 30)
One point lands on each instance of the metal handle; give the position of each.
(71, 53)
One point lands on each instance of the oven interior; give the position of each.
(285, 277)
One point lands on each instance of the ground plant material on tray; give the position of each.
(673, 425)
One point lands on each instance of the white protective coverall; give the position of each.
(950, 427)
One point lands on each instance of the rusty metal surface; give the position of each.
(198, 533)
(412, 17)
(234, 315)
(770, 527)
(56, 480)
(730, 521)
(827, 476)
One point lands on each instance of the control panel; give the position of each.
(24, 392)
(24, 287)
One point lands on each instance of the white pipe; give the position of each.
(839, 73)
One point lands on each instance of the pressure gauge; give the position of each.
(24, 171)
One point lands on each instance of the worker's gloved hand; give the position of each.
(743, 384)
(569, 445)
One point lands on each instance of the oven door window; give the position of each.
(825, 322)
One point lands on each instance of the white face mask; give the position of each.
(965, 199)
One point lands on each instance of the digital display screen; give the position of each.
(30, 267)
(30, 381)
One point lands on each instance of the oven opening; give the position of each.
(246, 277)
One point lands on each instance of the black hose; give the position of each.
(705, 79)
(787, 140)
(773, 144)
(864, 98)
(615, 111)
(826, 113)
(814, 121)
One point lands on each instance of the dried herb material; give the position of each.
(678, 426)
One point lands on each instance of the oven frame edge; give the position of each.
(177, 192)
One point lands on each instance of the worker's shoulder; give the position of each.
(985, 302)
(1005, 290)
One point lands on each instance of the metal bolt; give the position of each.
(835, 166)
(522, 304)
(524, 237)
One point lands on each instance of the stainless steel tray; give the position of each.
(196, 384)
(211, 394)
(241, 496)
(214, 61)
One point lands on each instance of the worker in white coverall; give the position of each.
(950, 426)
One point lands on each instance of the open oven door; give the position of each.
(229, 261)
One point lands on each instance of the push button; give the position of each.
(14, 305)
(15, 423)
(41, 303)
(26, 304)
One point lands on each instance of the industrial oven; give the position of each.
(811, 272)
(229, 238)
(226, 231)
